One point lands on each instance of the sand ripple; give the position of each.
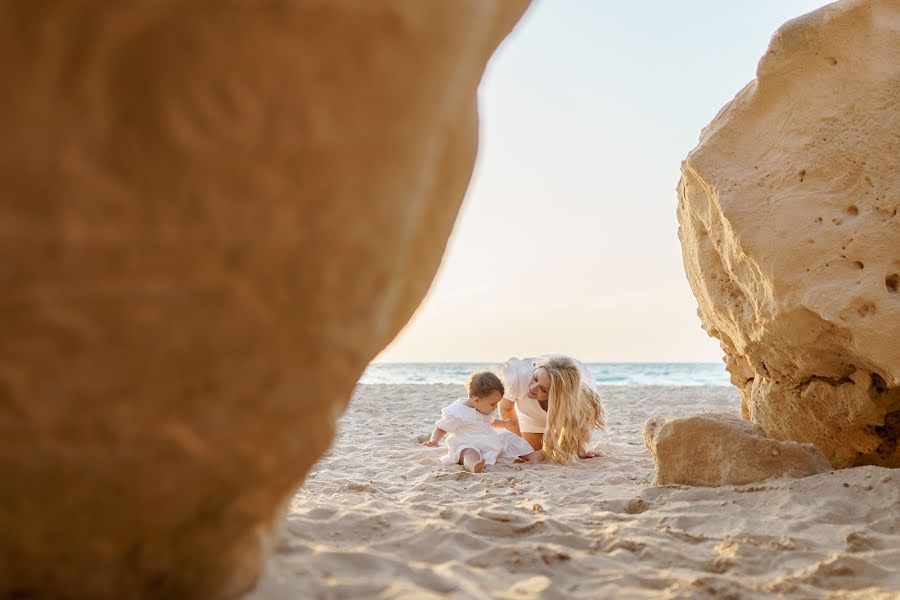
(380, 517)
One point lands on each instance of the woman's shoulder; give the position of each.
(587, 378)
(518, 363)
(515, 373)
(517, 366)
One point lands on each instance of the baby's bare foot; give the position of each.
(477, 467)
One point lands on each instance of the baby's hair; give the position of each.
(481, 383)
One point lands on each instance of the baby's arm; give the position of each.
(506, 424)
(436, 436)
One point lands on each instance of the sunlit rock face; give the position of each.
(717, 449)
(213, 215)
(791, 234)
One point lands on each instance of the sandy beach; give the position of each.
(380, 517)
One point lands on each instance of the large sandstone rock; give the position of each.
(791, 234)
(213, 215)
(716, 449)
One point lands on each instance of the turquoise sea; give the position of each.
(604, 373)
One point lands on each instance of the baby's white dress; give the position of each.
(468, 428)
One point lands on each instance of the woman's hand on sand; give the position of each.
(587, 454)
(430, 443)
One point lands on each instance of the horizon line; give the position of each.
(606, 362)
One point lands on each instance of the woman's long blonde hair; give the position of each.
(573, 410)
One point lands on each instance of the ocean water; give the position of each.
(604, 373)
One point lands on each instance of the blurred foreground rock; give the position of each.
(791, 234)
(716, 449)
(213, 216)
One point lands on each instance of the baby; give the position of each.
(472, 441)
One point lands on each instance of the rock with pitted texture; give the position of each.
(716, 449)
(791, 234)
(213, 216)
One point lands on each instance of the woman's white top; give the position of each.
(469, 428)
(516, 374)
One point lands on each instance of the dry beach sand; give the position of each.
(380, 517)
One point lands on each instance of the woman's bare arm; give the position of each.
(508, 412)
(535, 439)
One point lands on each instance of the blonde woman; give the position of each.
(553, 403)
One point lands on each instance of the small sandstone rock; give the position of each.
(722, 449)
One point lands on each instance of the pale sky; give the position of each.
(567, 239)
